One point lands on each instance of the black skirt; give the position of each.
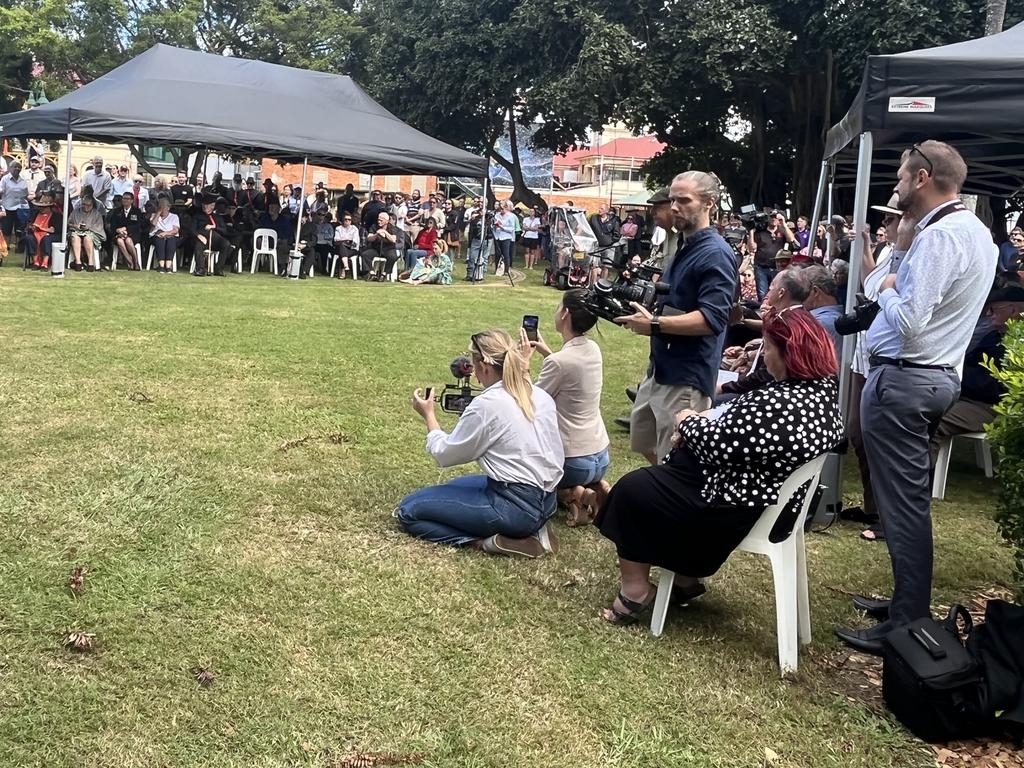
(656, 515)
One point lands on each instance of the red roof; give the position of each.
(636, 148)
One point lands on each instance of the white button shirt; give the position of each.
(496, 434)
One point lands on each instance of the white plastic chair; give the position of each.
(789, 568)
(149, 260)
(353, 262)
(264, 243)
(982, 455)
(117, 254)
(379, 262)
(210, 261)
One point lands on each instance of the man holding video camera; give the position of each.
(688, 328)
(927, 312)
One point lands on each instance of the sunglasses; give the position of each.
(917, 148)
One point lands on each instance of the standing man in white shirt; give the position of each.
(121, 184)
(101, 184)
(35, 175)
(945, 263)
(13, 202)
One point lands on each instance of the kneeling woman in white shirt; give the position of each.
(511, 431)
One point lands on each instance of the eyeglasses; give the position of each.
(917, 148)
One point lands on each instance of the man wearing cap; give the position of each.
(35, 175)
(101, 184)
(665, 238)
(267, 196)
(51, 184)
(14, 208)
(119, 185)
(946, 262)
(210, 234)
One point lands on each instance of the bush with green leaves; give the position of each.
(1007, 436)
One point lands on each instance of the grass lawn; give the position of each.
(224, 457)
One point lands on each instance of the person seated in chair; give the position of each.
(435, 269)
(126, 225)
(511, 431)
(164, 230)
(284, 226)
(424, 245)
(690, 512)
(210, 235)
(45, 227)
(86, 231)
(380, 244)
(346, 245)
(308, 246)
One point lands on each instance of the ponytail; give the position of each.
(497, 348)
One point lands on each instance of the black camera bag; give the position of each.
(998, 646)
(930, 681)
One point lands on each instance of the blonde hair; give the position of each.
(494, 347)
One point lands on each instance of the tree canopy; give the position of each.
(746, 88)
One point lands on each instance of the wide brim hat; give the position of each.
(889, 207)
(44, 196)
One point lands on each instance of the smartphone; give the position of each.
(530, 324)
(428, 393)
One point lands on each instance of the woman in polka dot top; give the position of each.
(689, 513)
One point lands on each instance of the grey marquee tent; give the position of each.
(175, 97)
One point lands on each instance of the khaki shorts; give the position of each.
(653, 420)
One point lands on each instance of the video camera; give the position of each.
(755, 219)
(610, 300)
(455, 398)
(859, 318)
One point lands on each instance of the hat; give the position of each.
(205, 199)
(1006, 290)
(237, 177)
(783, 255)
(268, 182)
(43, 200)
(661, 196)
(890, 206)
(838, 221)
(251, 181)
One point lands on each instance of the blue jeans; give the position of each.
(477, 258)
(584, 470)
(474, 507)
(505, 252)
(412, 254)
(763, 276)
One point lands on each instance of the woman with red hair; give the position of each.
(690, 512)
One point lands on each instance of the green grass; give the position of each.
(149, 431)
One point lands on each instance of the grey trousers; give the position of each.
(899, 413)
(964, 417)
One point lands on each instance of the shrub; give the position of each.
(1006, 434)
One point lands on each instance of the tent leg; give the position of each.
(67, 194)
(817, 208)
(302, 202)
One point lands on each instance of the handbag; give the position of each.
(931, 682)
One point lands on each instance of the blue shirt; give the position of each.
(703, 277)
(941, 285)
(827, 317)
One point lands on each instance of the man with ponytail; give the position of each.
(688, 328)
(511, 431)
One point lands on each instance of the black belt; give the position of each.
(876, 360)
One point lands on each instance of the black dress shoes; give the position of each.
(631, 394)
(865, 640)
(876, 609)
(622, 422)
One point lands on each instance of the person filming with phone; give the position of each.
(573, 376)
(511, 430)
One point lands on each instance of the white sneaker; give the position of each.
(500, 271)
(548, 540)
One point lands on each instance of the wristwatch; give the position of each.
(655, 326)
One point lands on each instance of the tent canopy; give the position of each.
(636, 199)
(173, 97)
(970, 94)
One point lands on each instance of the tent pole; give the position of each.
(483, 218)
(827, 256)
(302, 202)
(67, 195)
(813, 224)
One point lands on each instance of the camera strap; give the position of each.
(954, 206)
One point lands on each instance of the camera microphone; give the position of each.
(461, 367)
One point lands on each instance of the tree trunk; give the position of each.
(995, 15)
(198, 165)
(136, 150)
(521, 193)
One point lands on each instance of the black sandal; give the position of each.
(633, 610)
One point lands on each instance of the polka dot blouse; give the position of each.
(748, 452)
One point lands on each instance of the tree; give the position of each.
(749, 89)
(490, 67)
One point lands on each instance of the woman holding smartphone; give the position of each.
(511, 431)
(573, 376)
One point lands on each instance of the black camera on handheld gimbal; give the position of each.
(609, 299)
(455, 398)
